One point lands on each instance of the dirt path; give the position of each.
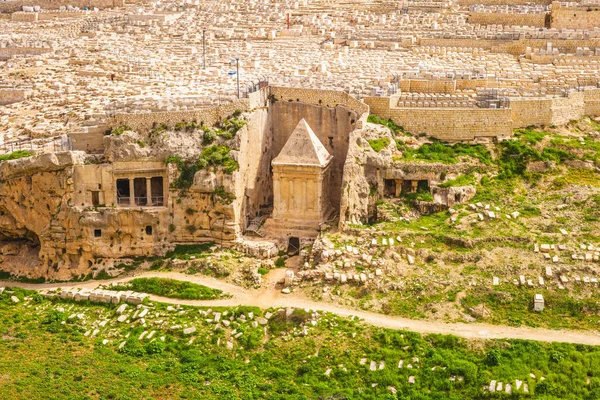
(270, 296)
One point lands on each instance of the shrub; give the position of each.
(492, 358)
(187, 172)
(120, 130)
(155, 347)
(280, 262)
(217, 156)
(223, 196)
(209, 136)
(385, 122)
(379, 144)
(16, 154)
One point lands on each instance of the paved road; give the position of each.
(270, 297)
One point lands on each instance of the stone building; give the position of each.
(301, 183)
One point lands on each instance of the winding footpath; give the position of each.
(270, 297)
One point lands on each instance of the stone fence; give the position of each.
(471, 124)
(208, 116)
(508, 19)
(329, 98)
(8, 52)
(98, 295)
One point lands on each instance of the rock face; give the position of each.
(80, 212)
(360, 178)
(371, 175)
(453, 195)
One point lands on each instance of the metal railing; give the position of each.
(48, 145)
(155, 201)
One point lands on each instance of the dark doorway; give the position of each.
(139, 188)
(148, 230)
(95, 198)
(293, 246)
(123, 194)
(390, 187)
(407, 187)
(423, 186)
(157, 186)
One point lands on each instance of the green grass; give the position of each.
(462, 180)
(512, 304)
(171, 288)
(45, 355)
(217, 156)
(379, 144)
(119, 130)
(16, 154)
(396, 129)
(445, 153)
(530, 135)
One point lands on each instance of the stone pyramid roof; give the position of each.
(303, 148)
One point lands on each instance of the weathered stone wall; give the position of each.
(502, 2)
(332, 125)
(9, 96)
(24, 16)
(90, 141)
(36, 194)
(535, 111)
(254, 184)
(450, 124)
(329, 98)
(453, 124)
(574, 17)
(209, 116)
(8, 52)
(591, 100)
(428, 86)
(496, 18)
(565, 109)
(514, 47)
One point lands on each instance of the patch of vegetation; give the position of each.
(119, 130)
(185, 251)
(16, 154)
(280, 262)
(513, 304)
(379, 144)
(171, 288)
(52, 352)
(157, 129)
(223, 196)
(387, 123)
(445, 153)
(263, 271)
(187, 126)
(531, 135)
(462, 180)
(217, 156)
(187, 171)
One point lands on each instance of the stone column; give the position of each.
(131, 192)
(148, 191)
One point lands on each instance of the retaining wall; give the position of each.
(496, 18)
(458, 124)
